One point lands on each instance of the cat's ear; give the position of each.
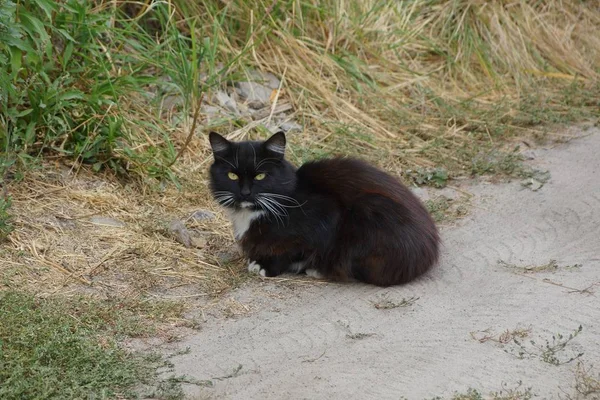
(276, 144)
(219, 144)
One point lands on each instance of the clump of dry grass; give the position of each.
(98, 233)
(417, 80)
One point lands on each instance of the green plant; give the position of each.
(383, 303)
(46, 352)
(549, 351)
(5, 224)
(76, 80)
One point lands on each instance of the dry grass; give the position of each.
(408, 85)
(59, 241)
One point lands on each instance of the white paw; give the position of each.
(314, 273)
(255, 268)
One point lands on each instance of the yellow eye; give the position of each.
(232, 176)
(260, 177)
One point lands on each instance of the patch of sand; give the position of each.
(329, 341)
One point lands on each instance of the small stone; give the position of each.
(65, 223)
(210, 110)
(528, 154)
(180, 232)
(449, 193)
(421, 193)
(255, 94)
(202, 215)
(226, 101)
(107, 221)
(265, 78)
(533, 184)
(172, 101)
(199, 242)
(289, 126)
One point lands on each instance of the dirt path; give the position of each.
(329, 341)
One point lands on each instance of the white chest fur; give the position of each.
(242, 219)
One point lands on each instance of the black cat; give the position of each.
(339, 218)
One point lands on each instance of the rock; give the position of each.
(199, 242)
(180, 232)
(266, 111)
(421, 193)
(265, 78)
(107, 221)
(289, 126)
(210, 110)
(202, 215)
(172, 101)
(528, 154)
(254, 94)
(449, 193)
(226, 101)
(65, 223)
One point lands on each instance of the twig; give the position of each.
(192, 130)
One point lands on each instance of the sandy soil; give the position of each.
(330, 341)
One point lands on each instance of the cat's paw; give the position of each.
(255, 268)
(313, 273)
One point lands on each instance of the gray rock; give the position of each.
(289, 126)
(180, 233)
(265, 78)
(202, 215)
(172, 101)
(421, 193)
(449, 193)
(65, 223)
(210, 110)
(226, 101)
(107, 221)
(529, 154)
(254, 94)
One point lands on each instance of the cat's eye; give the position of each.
(232, 176)
(260, 177)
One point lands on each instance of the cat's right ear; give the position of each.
(219, 144)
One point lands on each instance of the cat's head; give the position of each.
(251, 174)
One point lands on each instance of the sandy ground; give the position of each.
(329, 341)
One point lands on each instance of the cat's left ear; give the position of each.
(276, 144)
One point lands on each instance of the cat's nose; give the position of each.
(245, 192)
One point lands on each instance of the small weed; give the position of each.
(586, 381)
(551, 265)
(506, 393)
(384, 303)
(498, 163)
(535, 179)
(444, 209)
(359, 336)
(354, 336)
(6, 226)
(437, 177)
(502, 338)
(573, 267)
(171, 387)
(548, 352)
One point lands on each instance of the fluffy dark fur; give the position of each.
(341, 217)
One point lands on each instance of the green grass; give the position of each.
(68, 348)
(76, 81)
